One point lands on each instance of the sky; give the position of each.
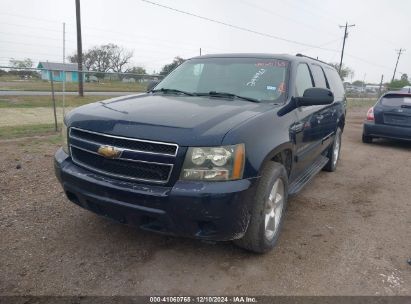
(33, 29)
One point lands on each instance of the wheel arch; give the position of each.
(282, 154)
(341, 122)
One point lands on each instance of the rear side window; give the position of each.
(303, 80)
(319, 78)
(335, 82)
(396, 101)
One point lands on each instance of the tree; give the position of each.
(22, 67)
(345, 71)
(87, 60)
(169, 67)
(105, 58)
(137, 72)
(120, 58)
(358, 83)
(21, 64)
(399, 83)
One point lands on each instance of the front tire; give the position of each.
(268, 210)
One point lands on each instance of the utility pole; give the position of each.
(79, 51)
(343, 47)
(64, 72)
(200, 51)
(380, 88)
(54, 100)
(400, 51)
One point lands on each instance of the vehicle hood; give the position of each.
(185, 120)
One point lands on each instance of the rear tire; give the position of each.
(334, 152)
(367, 139)
(268, 210)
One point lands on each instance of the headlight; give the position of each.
(214, 163)
(64, 138)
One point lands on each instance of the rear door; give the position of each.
(394, 110)
(307, 129)
(327, 116)
(333, 112)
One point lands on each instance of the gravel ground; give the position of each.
(347, 233)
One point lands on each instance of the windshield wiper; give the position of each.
(225, 94)
(164, 90)
(405, 106)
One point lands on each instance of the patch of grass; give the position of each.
(9, 78)
(10, 132)
(360, 102)
(43, 85)
(46, 101)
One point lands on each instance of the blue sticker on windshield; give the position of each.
(271, 88)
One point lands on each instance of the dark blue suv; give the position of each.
(212, 151)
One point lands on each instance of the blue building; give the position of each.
(59, 71)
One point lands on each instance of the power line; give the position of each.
(27, 52)
(87, 34)
(31, 26)
(313, 13)
(33, 36)
(268, 11)
(369, 62)
(31, 17)
(244, 29)
(325, 15)
(104, 30)
(151, 50)
(31, 44)
(250, 30)
(321, 45)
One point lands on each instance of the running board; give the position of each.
(307, 175)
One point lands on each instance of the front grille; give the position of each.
(125, 143)
(85, 144)
(122, 168)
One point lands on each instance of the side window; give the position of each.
(303, 80)
(335, 83)
(319, 77)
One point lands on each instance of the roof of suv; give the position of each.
(287, 57)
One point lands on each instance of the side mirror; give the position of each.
(152, 84)
(315, 97)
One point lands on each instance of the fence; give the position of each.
(32, 96)
(35, 100)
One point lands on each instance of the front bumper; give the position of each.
(204, 210)
(386, 131)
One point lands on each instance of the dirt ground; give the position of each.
(346, 233)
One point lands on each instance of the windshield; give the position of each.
(260, 79)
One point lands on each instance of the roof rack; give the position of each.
(302, 55)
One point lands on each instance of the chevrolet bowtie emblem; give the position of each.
(109, 151)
